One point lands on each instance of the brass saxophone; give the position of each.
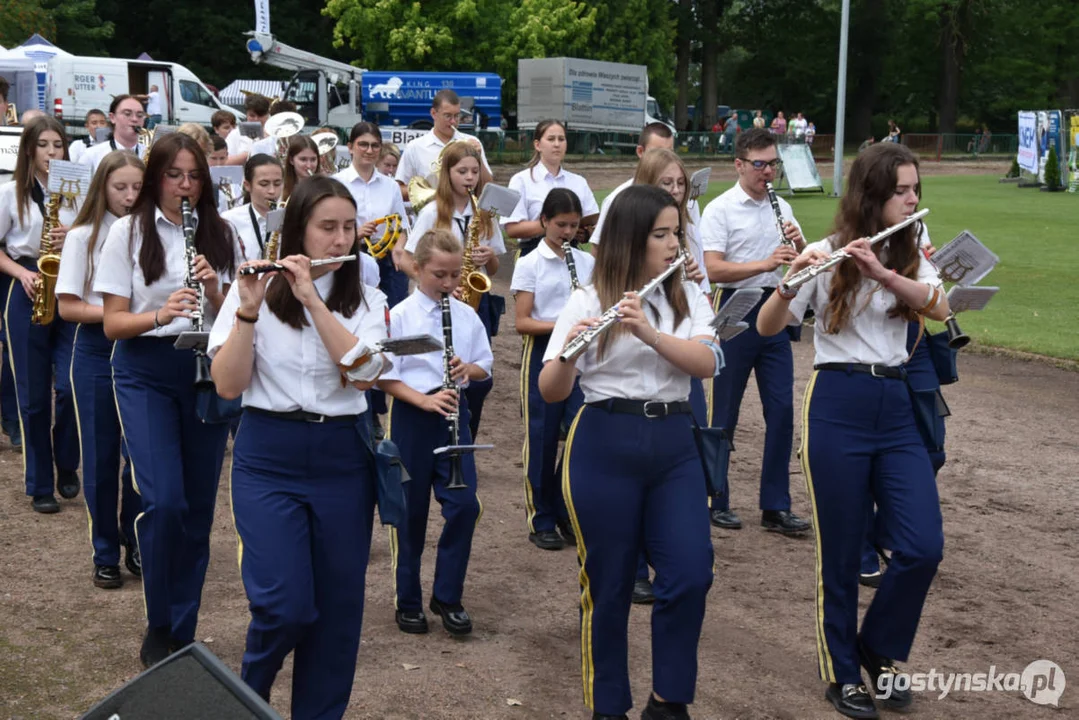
(274, 242)
(48, 266)
(473, 282)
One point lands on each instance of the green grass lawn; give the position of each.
(1036, 236)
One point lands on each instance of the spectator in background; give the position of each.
(798, 127)
(94, 119)
(893, 132)
(758, 120)
(730, 130)
(865, 143)
(811, 132)
(153, 107)
(5, 88)
(779, 124)
(980, 143)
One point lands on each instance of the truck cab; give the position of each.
(323, 99)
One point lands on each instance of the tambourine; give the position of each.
(381, 247)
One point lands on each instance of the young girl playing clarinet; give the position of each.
(860, 443)
(175, 456)
(542, 283)
(632, 474)
(112, 193)
(297, 345)
(263, 181)
(426, 390)
(34, 350)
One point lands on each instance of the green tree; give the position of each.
(79, 28)
(641, 32)
(23, 18)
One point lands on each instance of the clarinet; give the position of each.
(567, 250)
(579, 344)
(772, 198)
(457, 479)
(202, 363)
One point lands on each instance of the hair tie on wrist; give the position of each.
(251, 320)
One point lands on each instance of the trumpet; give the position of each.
(579, 344)
(278, 267)
(381, 247)
(805, 275)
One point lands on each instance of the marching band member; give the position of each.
(376, 196)
(36, 350)
(303, 477)
(653, 135)
(198, 133)
(262, 185)
(421, 155)
(549, 148)
(256, 109)
(541, 285)
(632, 472)
(111, 196)
(742, 249)
(94, 119)
(175, 457)
(860, 443)
(388, 160)
(126, 117)
(452, 210)
(267, 144)
(418, 426)
(219, 151)
(301, 162)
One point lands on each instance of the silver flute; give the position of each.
(579, 344)
(278, 267)
(806, 274)
(567, 250)
(774, 200)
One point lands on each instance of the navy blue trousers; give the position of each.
(175, 465)
(544, 504)
(771, 360)
(303, 497)
(9, 403)
(417, 433)
(391, 281)
(40, 357)
(860, 446)
(105, 489)
(628, 481)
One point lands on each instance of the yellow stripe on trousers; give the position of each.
(82, 442)
(587, 666)
(824, 657)
(11, 361)
(526, 357)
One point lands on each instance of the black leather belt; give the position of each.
(877, 371)
(647, 408)
(302, 416)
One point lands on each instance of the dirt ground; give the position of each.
(1004, 596)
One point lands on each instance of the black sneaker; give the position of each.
(881, 667)
(155, 646)
(107, 577)
(14, 436)
(642, 592)
(133, 559)
(67, 482)
(656, 710)
(783, 522)
(546, 540)
(852, 700)
(726, 519)
(45, 504)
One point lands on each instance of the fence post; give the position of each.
(940, 146)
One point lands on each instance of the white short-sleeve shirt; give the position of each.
(153, 103)
(534, 183)
(250, 228)
(378, 197)
(292, 368)
(73, 278)
(429, 215)
(744, 230)
(605, 208)
(238, 143)
(631, 368)
(420, 155)
(871, 337)
(23, 240)
(419, 314)
(546, 275)
(95, 154)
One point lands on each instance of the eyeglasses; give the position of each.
(761, 164)
(129, 114)
(368, 146)
(177, 176)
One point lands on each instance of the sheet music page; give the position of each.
(965, 260)
(962, 298)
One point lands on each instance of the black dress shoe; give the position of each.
(107, 577)
(642, 592)
(155, 646)
(726, 519)
(414, 622)
(67, 482)
(870, 580)
(15, 437)
(656, 710)
(852, 700)
(454, 617)
(546, 540)
(566, 530)
(45, 504)
(784, 522)
(881, 667)
(599, 716)
(133, 559)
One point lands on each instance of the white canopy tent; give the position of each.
(19, 71)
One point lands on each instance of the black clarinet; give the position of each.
(203, 381)
(774, 200)
(457, 477)
(567, 250)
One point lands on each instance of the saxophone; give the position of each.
(473, 282)
(48, 266)
(273, 244)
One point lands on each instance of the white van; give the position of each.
(80, 84)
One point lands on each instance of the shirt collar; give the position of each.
(426, 304)
(557, 176)
(545, 251)
(742, 197)
(159, 217)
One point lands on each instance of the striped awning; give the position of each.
(233, 94)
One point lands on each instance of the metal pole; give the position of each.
(841, 101)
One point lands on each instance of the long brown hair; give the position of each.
(452, 154)
(537, 135)
(347, 292)
(296, 145)
(622, 251)
(872, 183)
(651, 166)
(97, 200)
(24, 167)
(213, 236)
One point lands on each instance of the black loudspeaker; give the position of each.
(191, 683)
